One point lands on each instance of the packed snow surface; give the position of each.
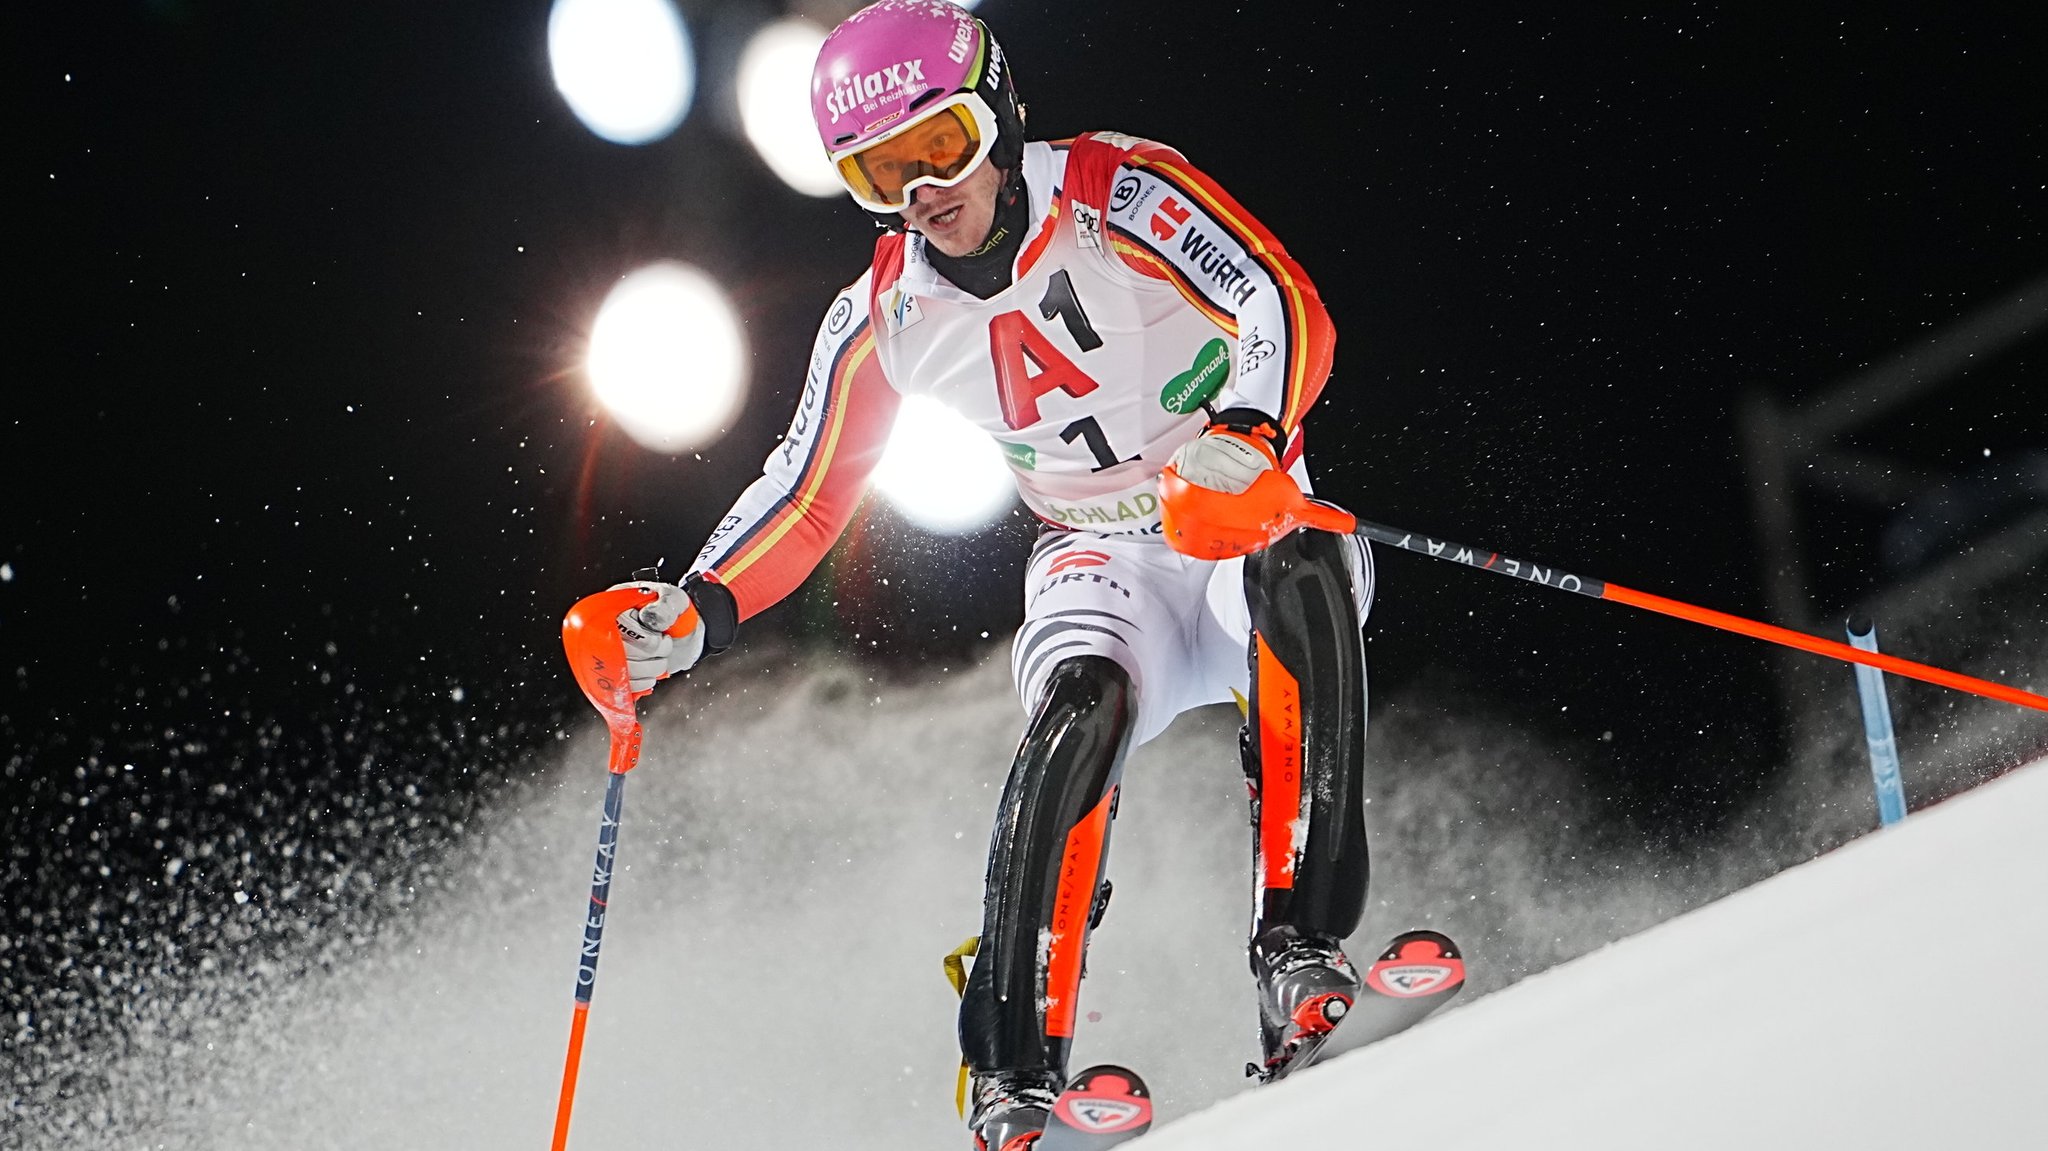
(803, 841)
(1882, 996)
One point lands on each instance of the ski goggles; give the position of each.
(941, 148)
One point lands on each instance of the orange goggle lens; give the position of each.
(943, 148)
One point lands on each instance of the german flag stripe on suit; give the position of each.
(1309, 338)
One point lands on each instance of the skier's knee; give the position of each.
(1092, 688)
(1079, 681)
(1064, 776)
(1307, 579)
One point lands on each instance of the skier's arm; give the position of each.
(1168, 220)
(785, 521)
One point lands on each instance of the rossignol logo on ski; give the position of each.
(1103, 1100)
(1405, 981)
(1091, 1114)
(1105, 1106)
(1417, 965)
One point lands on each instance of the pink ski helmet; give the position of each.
(913, 92)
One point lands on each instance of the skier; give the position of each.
(1108, 314)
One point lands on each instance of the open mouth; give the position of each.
(944, 219)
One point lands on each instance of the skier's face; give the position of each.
(956, 220)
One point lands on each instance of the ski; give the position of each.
(1417, 973)
(1102, 1107)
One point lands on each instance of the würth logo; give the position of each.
(1082, 559)
(1167, 220)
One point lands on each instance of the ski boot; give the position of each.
(1011, 1108)
(1305, 988)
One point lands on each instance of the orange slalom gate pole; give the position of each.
(597, 656)
(1826, 647)
(1332, 518)
(1210, 525)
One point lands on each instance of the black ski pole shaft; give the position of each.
(593, 939)
(597, 657)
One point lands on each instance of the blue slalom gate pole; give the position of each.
(1877, 727)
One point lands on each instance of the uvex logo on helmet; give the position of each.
(963, 41)
(895, 80)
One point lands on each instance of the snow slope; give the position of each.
(1882, 996)
(802, 842)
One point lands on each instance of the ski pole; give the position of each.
(597, 656)
(1276, 507)
(593, 938)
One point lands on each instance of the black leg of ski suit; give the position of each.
(1305, 738)
(1066, 771)
(1303, 742)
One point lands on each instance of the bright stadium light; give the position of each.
(667, 357)
(775, 104)
(624, 66)
(944, 474)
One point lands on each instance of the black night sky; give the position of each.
(296, 442)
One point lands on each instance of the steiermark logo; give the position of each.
(1020, 455)
(1200, 383)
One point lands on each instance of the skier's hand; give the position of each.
(1223, 493)
(1227, 459)
(662, 637)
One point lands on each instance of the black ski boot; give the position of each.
(1011, 1108)
(1305, 988)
